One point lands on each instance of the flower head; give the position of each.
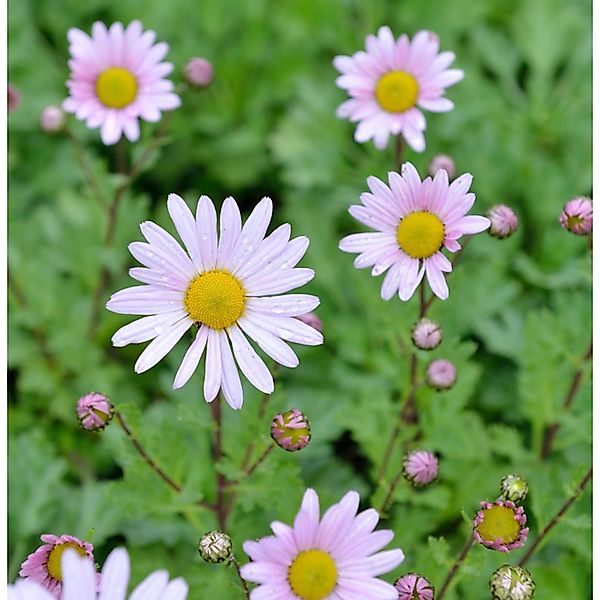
(420, 467)
(426, 334)
(290, 430)
(389, 84)
(511, 583)
(577, 216)
(441, 374)
(503, 221)
(215, 547)
(499, 526)
(442, 161)
(94, 411)
(227, 287)
(81, 581)
(414, 587)
(199, 72)
(315, 559)
(514, 488)
(52, 119)
(117, 77)
(45, 566)
(13, 97)
(413, 220)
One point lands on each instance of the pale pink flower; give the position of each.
(420, 467)
(13, 96)
(577, 216)
(290, 430)
(94, 411)
(391, 81)
(225, 284)
(81, 581)
(199, 72)
(337, 556)
(117, 77)
(504, 221)
(44, 565)
(414, 587)
(413, 220)
(52, 119)
(442, 161)
(441, 374)
(426, 334)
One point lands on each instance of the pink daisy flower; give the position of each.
(224, 285)
(391, 81)
(323, 559)
(117, 77)
(413, 220)
(500, 526)
(44, 565)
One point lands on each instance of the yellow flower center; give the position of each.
(420, 234)
(499, 522)
(55, 557)
(215, 298)
(116, 87)
(312, 575)
(397, 91)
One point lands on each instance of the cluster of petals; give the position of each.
(263, 266)
(346, 537)
(420, 59)
(81, 582)
(133, 52)
(386, 206)
(502, 544)
(35, 566)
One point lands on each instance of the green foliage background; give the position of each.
(516, 324)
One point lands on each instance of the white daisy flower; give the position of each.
(225, 284)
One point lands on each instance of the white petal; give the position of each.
(231, 226)
(26, 589)
(145, 300)
(212, 368)
(160, 346)
(272, 345)
(436, 279)
(185, 224)
(287, 328)
(473, 224)
(171, 281)
(160, 260)
(290, 305)
(115, 575)
(278, 283)
(146, 328)
(191, 359)
(152, 587)
(176, 590)
(206, 223)
(79, 577)
(271, 247)
(359, 242)
(252, 366)
(230, 378)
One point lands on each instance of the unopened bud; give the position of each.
(198, 72)
(426, 334)
(420, 467)
(215, 547)
(13, 98)
(503, 221)
(576, 216)
(511, 582)
(413, 586)
(442, 161)
(514, 488)
(52, 119)
(441, 374)
(312, 320)
(94, 411)
(290, 430)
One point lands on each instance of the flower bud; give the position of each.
(290, 430)
(52, 119)
(500, 526)
(312, 320)
(503, 220)
(441, 374)
(13, 98)
(198, 72)
(514, 488)
(215, 547)
(576, 216)
(426, 334)
(442, 161)
(413, 586)
(420, 467)
(94, 411)
(511, 583)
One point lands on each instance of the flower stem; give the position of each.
(236, 564)
(260, 459)
(138, 446)
(552, 429)
(455, 566)
(399, 151)
(261, 413)
(388, 496)
(220, 508)
(563, 509)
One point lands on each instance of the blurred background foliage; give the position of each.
(517, 322)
